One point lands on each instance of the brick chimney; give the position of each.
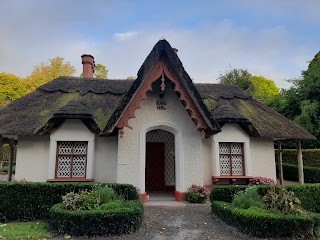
(88, 65)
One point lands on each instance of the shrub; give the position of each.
(262, 223)
(280, 199)
(26, 200)
(98, 221)
(84, 200)
(262, 181)
(225, 193)
(197, 193)
(248, 198)
(112, 205)
(105, 194)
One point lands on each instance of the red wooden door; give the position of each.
(155, 166)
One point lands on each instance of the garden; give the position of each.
(75, 209)
(269, 210)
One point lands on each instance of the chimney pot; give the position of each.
(88, 65)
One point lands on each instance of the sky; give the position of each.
(272, 38)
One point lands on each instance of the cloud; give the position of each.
(124, 36)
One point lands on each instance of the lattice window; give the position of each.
(71, 159)
(231, 158)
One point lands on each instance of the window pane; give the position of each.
(80, 148)
(236, 148)
(224, 148)
(79, 166)
(65, 148)
(224, 165)
(237, 165)
(64, 166)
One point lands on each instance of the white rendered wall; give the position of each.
(262, 158)
(231, 132)
(105, 159)
(32, 158)
(175, 115)
(207, 161)
(71, 130)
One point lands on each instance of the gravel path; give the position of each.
(181, 222)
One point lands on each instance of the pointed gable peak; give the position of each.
(163, 64)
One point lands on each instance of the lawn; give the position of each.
(24, 230)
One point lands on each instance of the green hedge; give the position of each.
(311, 174)
(309, 194)
(96, 222)
(311, 157)
(261, 223)
(25, 201)
(225, 193)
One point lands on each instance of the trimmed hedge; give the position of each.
(96, 222)
(311, 174)
(308, 194)
(261, 223)
(225, 193)
(29, 200)
(311, 157)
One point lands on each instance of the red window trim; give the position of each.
(71, 178)
(233, 154)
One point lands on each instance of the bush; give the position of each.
(26, 200)
(311, 157)
(98, 221)
(197, 194)
(311, 174)
(225, 193)
(105, 194)
(112, 205)
(280, 199)
(248, 198)
(262, 181)
(84, 200)
(262, 223)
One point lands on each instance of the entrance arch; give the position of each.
(178, 153)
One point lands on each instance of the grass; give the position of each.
(24, 230)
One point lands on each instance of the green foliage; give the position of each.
(98, 221)
(100, 71)
(248, 198)
(84, 200)
(112, 205)
(262, 223)
(46, 72)
(28, 200)
(280, 199)
(105, 194)
(238, 77)
(263, 89)
(290, 172)
(197, 194)
(12, 88)
(311, 157)
(225, 193)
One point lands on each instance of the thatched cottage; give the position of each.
(160, 132)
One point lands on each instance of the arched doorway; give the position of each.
(160, 177)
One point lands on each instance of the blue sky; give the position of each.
(271, 38)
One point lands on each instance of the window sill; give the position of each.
(71, 180)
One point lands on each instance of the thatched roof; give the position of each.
(100, 102)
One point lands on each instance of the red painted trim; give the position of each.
(143, 197)
(71, 180)
(180, 196)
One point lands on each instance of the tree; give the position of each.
(263, 89)
(12, 88)
(100, 71)
(238, 77)
(46, 72)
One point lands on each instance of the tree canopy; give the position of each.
(101, 71)
(238, 77)
(46, 72)
(12, 88)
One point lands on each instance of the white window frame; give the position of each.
(72, 130)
